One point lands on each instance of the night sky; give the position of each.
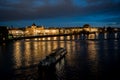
(21, 13)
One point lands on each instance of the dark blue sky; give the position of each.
(21, 13)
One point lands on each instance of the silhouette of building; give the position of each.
(3, 33)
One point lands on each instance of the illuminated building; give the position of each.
(16, 32)
(34, 30)
(87, 28)
(51, 31)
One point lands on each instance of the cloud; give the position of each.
(41, 9)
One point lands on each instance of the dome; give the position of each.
(86, 26)
(33, 24)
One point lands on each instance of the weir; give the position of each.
(46, 67)
(51, 60)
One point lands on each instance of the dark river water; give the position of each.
(85, 60)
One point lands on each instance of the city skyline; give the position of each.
(21, 13)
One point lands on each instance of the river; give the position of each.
(85, 59)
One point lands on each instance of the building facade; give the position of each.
(34, 30)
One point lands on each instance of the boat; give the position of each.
(55, 56)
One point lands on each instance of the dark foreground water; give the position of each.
(85, 60)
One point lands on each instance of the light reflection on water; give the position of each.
(26, 53)
(85, 58)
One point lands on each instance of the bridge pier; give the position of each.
(75, 37)
(58, 38)
(83, 36)
(65, 38)
(45, 38)
(101, 36)
(110, 36)
(78, 36)
(118, 35)
(96, 35)
(70, 37)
